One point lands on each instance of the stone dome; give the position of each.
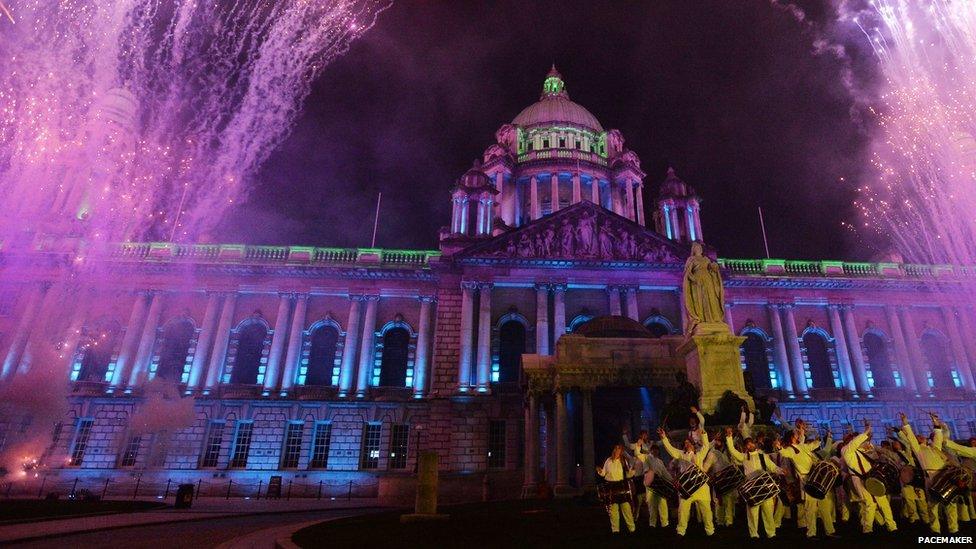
(613, 326)
(555, 107)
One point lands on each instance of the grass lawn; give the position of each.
(17, 510)
(567, 523)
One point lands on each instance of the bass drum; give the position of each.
(664, 488)
(759, 488)
(821, 480)
(949, 483)
(728, 479)
(882, 479)
(690, 480)
(620, 491)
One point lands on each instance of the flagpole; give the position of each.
(376, 219)
(762, 225)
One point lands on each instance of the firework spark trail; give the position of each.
(924, 196)
(111, 111)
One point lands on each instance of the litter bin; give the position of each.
(184, 496)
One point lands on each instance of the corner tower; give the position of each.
(677, 213)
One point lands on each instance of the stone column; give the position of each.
(534, 197)
(595, 191)
(563, 450)
(204, 340)
(484, 337)
(901, 349)
(675, 227)
(779, 349)
(542, 319)
(531, 465)
(631, 298)
(508, 194)
(456, 216)
(613, 293)
(615, 198)
(796, 356)
(970, 344)
(221, 340)
(296, 334)
(577, 189)
(696, 216)
(129, 341)
(558, 313)
(422, 359)
(857, 355)
(465, 205)
(628, 200)
(277, 345)
(958, 351)
(347, 367)
(554, 192)
(640, 203)
(366, 346)
(144, 351)
(914, 350)
(840, 347)
(480, 221)
(467, 335)
(22, 333)
(589, 478)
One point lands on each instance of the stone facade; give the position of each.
(548, 232)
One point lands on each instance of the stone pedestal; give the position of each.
(426, 505)
(713, 364)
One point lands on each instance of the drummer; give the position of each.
(641, 450)
(615, 469)
(657, 503)
(932, 459)
(690, 457)
(801, 453)
(753, 462)
(717, 460)
(913, 505)
(856, 455)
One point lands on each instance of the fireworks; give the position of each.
(924, 193)
(125, 119)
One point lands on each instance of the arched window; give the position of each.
(323, 345)
(658, 325)
(756, 360)
(877, 351)
(250, 349)
(578, 321)
(820, 373)
(98, 350)
(174, 348)
(934, 348)
(396, 355)
(511, 346)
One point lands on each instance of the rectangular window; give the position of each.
(211, 451)
(82, 433)
(242, 445)
(496, 444)
(320, 446)
(293, 445)
(131, 452)
(371, 446)
(399, 438)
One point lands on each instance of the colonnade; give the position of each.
(852, 366)
(142, 335)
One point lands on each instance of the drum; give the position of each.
(882, 479)
(727, 479)
(950, 482)
(620, 491)
(821, 479)
(759, 488)
(690, 480)
(664, 488)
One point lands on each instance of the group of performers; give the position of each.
(784, 474)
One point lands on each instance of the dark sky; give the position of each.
(728, 92)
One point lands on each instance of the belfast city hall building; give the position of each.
(551, 317)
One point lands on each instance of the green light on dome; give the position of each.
(553, 85)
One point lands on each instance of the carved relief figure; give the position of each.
(606, 242)
(568, 239)
(703, 293)
(586, 229)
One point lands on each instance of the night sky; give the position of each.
(729, 92)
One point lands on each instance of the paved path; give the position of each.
(205, 511)
(210, 532)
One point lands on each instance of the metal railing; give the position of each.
(845, 269)
(264, 255)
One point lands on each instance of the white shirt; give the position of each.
(751, 462)
(613, 470)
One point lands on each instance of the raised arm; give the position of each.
(960, 450)
(671, 450)
(705, 447)
(738, 456)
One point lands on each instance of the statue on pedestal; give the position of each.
(704, 295)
